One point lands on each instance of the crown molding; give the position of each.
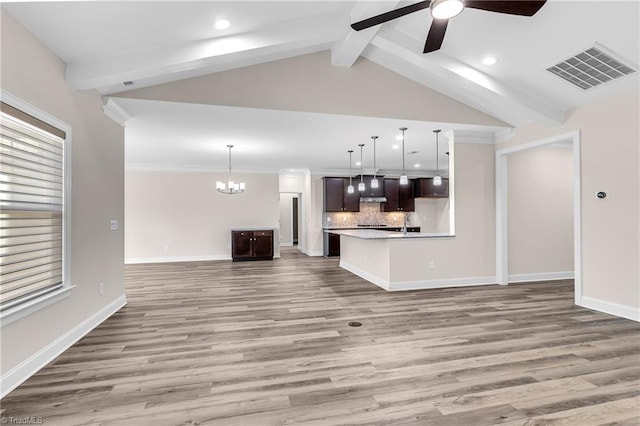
(115, 112)
(198, 169)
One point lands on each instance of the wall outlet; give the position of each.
(100, 289)
(366, 259)
(113, 225)
(432, 264)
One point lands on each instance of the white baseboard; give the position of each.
(417, 285)
(541, 276)
(312, 253)
(17, 375)
(443, 283)
(135, 260)
(380, 282)
(286, 244)
(624, 311)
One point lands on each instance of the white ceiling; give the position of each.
(169, 135)
(106, 43)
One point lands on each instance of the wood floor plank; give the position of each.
(268, 343)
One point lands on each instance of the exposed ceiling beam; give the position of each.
(193, 59)
(403, 54)
(346, 51)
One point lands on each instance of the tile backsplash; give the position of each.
(369, 214)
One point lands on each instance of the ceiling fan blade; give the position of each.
(388, 16)
(436, 35)
(512, 7)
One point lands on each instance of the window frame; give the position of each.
(30, 306)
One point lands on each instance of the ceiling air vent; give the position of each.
(591, 68)
(127, 83)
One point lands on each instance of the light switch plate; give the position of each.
(114, 225)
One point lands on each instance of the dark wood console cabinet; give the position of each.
(252, 245)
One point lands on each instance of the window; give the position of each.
(32, 209)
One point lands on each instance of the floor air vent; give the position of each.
(590, 68)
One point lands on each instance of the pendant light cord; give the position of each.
(403, 129)
(437, 156)
(361, 166)
(229, 146)
(374, 155)
(437, 132)
(350, 152)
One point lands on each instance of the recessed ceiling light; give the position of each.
(221, 24)
(358, 163)
(399, 137)
(395, 146)
(489, 60)
(416, 165)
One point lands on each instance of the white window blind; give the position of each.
(31, 210)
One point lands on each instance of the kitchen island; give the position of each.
(399, 261)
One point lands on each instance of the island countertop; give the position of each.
(374, 234)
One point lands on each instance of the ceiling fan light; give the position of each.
(445, 9)
(437, 180)
(404, 180)
(374, 183)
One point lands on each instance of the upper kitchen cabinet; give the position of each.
(369, 191)
(424, 188)
(399, 197)
(336, 197)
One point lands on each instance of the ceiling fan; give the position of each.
(442, 10)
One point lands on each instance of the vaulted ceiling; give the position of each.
(148, 43)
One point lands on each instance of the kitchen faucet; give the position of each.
(404, 223)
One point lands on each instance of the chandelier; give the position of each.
(230, 187)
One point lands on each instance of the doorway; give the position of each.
(294, 216)
(290, 219)
(502, 207)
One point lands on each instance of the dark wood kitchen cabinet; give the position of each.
(252, 245)
(369, 191)
(336, 197)
(424, 188)
(333, 245)
(400, 198)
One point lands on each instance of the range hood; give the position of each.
(373, 200)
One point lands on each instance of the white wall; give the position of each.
(179, 215)
(33, 73)
(540, 210)
(467, 258)
(610, 160)
(432, 214)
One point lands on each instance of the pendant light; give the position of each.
(350, 187)
(404, 180)
(374, 181)
(437, 179)
(361, 186)
(231, 187)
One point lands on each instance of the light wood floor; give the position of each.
(267, 343)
